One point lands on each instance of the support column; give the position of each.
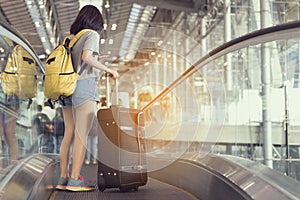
(174, 76)
(286, 128)
(227, 37)
(203, 49)
(266, 87)
(135, 96)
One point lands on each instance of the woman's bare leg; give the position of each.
(84, 116)
(67, 140)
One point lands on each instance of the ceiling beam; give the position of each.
(38, 20)
(186, 5)
(57, 23)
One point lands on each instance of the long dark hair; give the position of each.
(89, 17)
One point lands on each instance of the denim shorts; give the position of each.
(86, 90)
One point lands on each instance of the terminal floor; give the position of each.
(153, 190)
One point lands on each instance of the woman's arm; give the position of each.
(87, 57)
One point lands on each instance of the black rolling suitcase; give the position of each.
(121, 148)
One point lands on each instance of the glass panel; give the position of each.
(242, 133)
(20, 95)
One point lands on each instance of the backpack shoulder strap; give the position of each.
(77, 36)
(10, 43)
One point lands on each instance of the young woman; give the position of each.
(80, 108)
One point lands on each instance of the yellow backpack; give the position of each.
(19, 75)
(60, 77)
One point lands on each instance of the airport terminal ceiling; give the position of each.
(128, 37)
(45, 23)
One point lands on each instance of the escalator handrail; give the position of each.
(268, 34)
(18, 38)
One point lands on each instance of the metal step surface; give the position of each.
(153, 190)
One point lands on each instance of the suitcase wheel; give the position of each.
(101, 183)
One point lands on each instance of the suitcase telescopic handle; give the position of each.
(116, 97)
(140, 136)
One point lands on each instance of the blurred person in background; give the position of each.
(43, 128)
(58, 127)
(92, 145)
